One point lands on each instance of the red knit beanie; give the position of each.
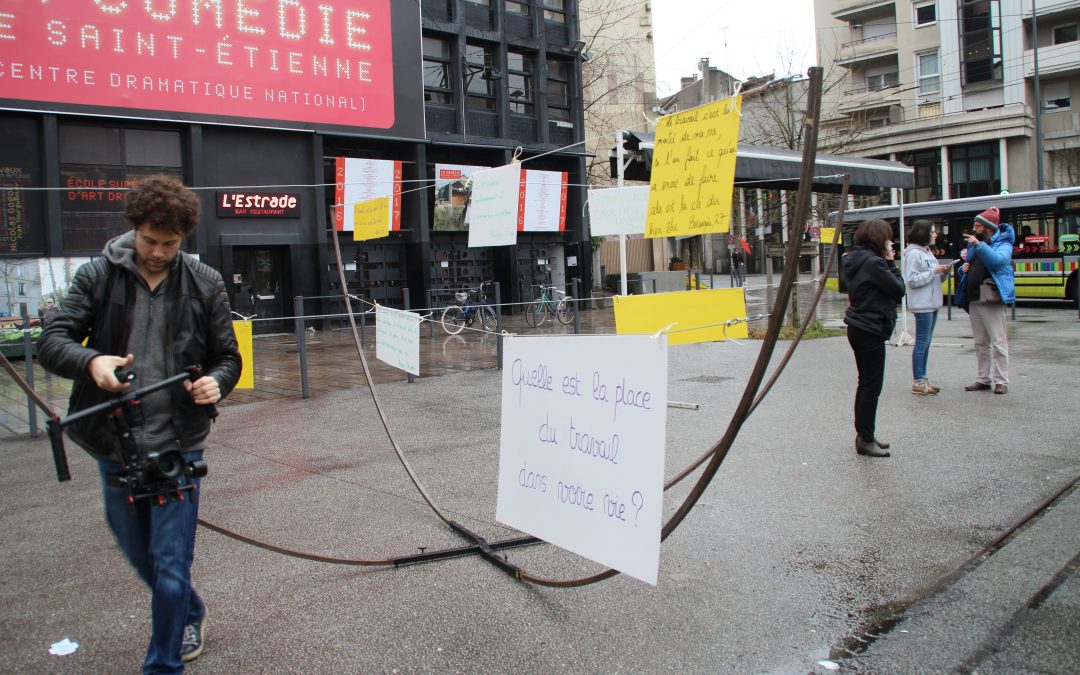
(990, 218)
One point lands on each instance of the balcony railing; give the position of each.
(875, 38)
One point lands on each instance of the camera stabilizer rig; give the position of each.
(161, 476)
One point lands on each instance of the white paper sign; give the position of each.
(361, 180)
(397, 338)
(618, 210)
(493, 221)
(542, 201)
(581, 455)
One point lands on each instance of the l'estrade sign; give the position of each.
(316, 64)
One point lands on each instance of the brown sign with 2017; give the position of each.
(258, 205)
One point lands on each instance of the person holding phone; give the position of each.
(874, 287)
(985, 289)
(923, 276)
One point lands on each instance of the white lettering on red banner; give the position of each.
(313, 61)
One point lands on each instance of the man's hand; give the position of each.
(103, 372)
(965, 267)
(972, 240)
(204, 390)
(942, 269)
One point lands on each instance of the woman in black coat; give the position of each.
(874, 286)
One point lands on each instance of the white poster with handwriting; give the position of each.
(494, 210)
(397, 338)
(581, 457)
(618, 210)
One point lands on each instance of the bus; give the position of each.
(1046, 252)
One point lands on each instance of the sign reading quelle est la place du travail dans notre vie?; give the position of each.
(311, 64)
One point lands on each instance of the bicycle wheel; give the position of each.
(535, 314)
(488, 318)
(565, 311)
(453, 320)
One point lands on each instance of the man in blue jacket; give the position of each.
(986, 287)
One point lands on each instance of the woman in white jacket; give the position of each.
(923, 277)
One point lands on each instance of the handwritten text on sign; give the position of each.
(493, 221)
(581, 457)
(369, 219)
(618, 210)
(693, 170)
(397, 338)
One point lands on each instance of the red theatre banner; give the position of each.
(291, 63)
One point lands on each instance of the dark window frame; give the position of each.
(962, 159)
(526, 102)
(919, 14)
(109, 221)
(559, 111)
(980, 41)
(477, 72)
(439, 95)
(554, 11)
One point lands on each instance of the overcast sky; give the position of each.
(745, 38)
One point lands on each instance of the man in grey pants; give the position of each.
(986, 288)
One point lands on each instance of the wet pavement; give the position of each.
(800, 555)
(332, 364)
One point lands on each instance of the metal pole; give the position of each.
(405, 297)
(431, 304)
(620, 156)
(1038, 104)
(28, 355)
(576, 306)
(363, 321)
(301, 345)
(498, 325)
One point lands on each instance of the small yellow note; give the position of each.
(371, 219)
(693, 170)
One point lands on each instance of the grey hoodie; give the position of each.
(923, 283)
(147, 345)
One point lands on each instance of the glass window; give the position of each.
(519, 73)
(1056, 96)
(479, 76)
(1063, 34)
(882, 81)
(980, 41)
(94, 162)
(929, 73)
(517, 7)
(925, 14)
(437, 71)
(555, 10)
(558, 90)
(974, 170)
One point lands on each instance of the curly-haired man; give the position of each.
(146, 305)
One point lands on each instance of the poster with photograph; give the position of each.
(453, 193)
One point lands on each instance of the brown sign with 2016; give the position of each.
(258, 205)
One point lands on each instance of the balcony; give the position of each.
(869, 49)
(863, 99)
(1063, 59)
(853, 11)
(1047, 7)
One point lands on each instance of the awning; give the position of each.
(777, 169)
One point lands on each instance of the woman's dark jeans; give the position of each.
(870, 360)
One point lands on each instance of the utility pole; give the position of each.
(1038, 99)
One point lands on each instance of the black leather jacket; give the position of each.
(98, 308)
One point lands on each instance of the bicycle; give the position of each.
(455, 318)
(563, 308)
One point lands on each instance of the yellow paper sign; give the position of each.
(371, 218)
(826, 236)
(693, 170)
(698, 316)
(243, 340)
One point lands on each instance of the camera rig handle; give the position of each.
(116, 406)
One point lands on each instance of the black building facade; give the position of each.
(252, 104)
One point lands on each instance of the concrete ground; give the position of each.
(799, 557)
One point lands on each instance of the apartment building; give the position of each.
(949, 88)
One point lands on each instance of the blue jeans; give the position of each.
(924, 332)
(159, 542)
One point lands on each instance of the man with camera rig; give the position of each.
(147, 306)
